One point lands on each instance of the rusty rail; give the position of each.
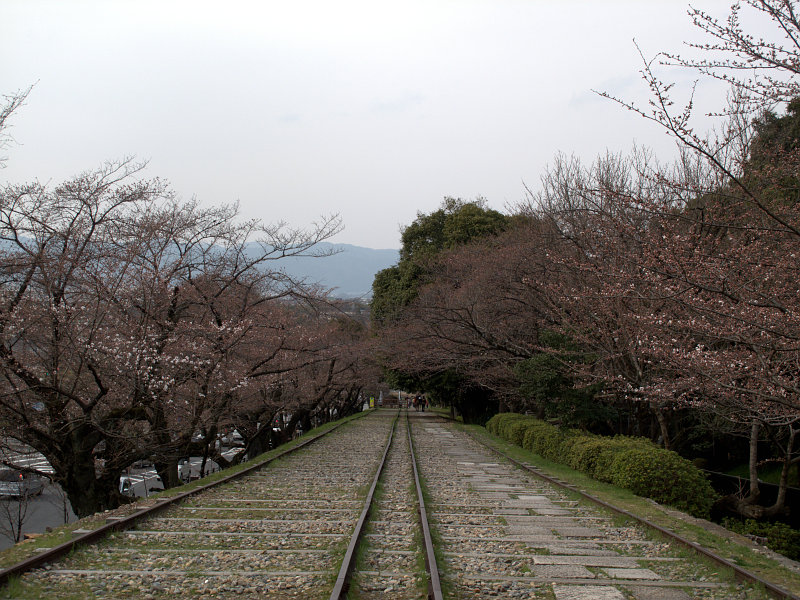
(434, 584)
(342, 584)
(740, 573)
(123, 523)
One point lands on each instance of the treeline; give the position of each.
(134, 326)
(629, 296)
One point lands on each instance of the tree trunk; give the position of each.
(663, 425)
(298, 416)
(748, 506)
(88, 488)
(89, 495)
(754, 493)
(540, 414)
(167, 469)
(779, 507)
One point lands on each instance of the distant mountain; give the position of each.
(350, 271)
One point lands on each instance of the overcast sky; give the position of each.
(373, 110)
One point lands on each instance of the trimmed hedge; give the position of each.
(635, 464)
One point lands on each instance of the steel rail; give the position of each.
(122, 523)
(434, 584)
(740, 573)
(342, 584)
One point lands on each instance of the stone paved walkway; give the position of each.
(506, 534)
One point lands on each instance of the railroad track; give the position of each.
(508, 531)
(280, 531)
(344, 517)
(395, 557)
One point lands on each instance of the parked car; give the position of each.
(185, 470)
(233, 439)
(150, 480)
(16, 484)
(126, 486)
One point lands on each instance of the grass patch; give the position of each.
(19, 590)
(701, 532)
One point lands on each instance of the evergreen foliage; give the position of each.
(455, 223)
(779, 536)
(635, 464)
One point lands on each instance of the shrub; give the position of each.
(780, 537)
(567, 446)
(532, 433)
(616, 445)
(548, 442)
(632, 463)
(507, 426)
(514, 432)
(494, 424)
(585, 451)
(663, 476)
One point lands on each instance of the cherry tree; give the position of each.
(121, 312)
(693, 264)
(734, 282)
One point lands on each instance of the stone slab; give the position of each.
(540, 499)
(511, 511)
(587, 592)
(581, 532)
(528, 530)
(493, 487)
(494, 495)
(551, 511)
(657, 593)
(646, 574)
(550, 520)
(526, 502)
(584, 550)
(619, 562)
(562, 571)
(527, 520)
(537, 540)
(80, 532)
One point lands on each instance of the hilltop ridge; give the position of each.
(350, 271)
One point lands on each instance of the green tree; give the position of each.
(772, 168)
(548, 382)
(455, 223)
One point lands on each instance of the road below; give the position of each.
(49, 509)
